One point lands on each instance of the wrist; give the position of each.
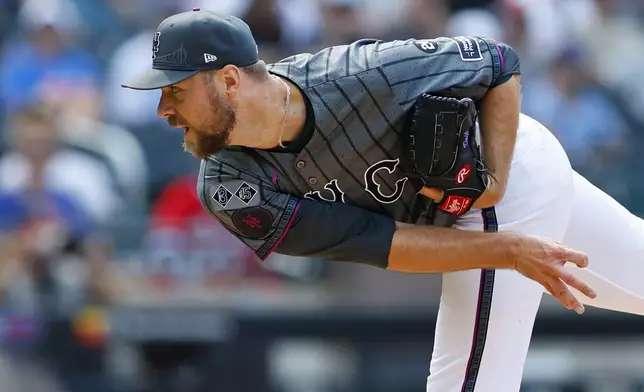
(512, 245)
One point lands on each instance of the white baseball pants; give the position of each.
(486, 318)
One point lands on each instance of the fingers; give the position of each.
(578, 258)
(568, 278)
(557, 280)
(432, 193)
(559, 290)
(559, 295)
(558, 286)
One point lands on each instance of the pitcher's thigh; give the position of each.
(483, 332)
(613, 239)
(485, 318)
(485, 322)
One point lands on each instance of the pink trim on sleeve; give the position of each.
(286, 230)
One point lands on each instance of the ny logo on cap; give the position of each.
(155, 45)
(209, 58)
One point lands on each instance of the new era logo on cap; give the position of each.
(209, 58)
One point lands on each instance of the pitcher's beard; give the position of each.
(207, 145)
(189, 148)
(221, 123)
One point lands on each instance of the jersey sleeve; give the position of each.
(267, 220)
(246, 204)
(462, 67)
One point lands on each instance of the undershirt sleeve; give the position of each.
(339, 232)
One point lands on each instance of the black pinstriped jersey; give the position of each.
(359, 95)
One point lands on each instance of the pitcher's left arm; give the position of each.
(481, 69)
(499, 123)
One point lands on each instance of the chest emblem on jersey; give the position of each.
(222, 196)
(245, 193)
(374, 188)
(332, 193)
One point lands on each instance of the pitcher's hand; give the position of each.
(542, 260)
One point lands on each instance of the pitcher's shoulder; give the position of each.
(234, 163)
(329, 63)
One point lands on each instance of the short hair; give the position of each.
(257, 71)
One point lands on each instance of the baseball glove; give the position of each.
(444, 154)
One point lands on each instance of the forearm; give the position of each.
(431, 249)
(499, 121)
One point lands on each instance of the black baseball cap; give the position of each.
(192, 41)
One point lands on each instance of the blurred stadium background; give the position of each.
(113, 279)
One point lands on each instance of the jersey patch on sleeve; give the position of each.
(245, 193)
(469, 48)
(254, 222)
(426, 45)
(233, 195)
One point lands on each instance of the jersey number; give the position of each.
(426, 46)
(333, 193)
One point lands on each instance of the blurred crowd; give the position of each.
(86, 165)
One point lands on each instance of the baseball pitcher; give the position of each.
(409, 156)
